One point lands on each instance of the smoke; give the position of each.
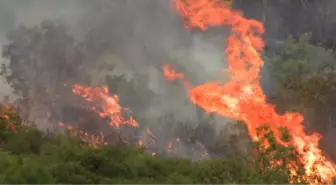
(30, 13)
(84, 41)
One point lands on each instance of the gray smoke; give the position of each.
(121, 37)
(33, 12)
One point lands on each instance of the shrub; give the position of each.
(29, 156)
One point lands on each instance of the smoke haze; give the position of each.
(121, 37)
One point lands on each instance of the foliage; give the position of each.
(40, 49)
(306, 83)
(30, 156)
(298, 58)
(135, 92)
(54, 59)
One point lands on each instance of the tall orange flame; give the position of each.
(242, 97)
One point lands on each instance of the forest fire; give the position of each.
(107, 106)
(110, 104)
(110, 108)
(242, 98)
(6, 111)
(93, 140)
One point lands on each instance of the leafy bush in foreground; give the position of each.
(29, 156)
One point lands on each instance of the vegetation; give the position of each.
(303, 73)
(306, 83)
(30, 156)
